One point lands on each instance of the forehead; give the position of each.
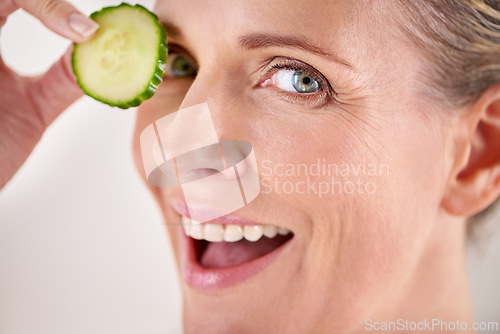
(345, 25)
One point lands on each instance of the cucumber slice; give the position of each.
(124, 63)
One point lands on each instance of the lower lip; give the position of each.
(203, 278)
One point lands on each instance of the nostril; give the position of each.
(196, 174)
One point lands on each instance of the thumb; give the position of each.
(55, 90)
(61, 17)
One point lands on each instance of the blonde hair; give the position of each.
(460, 39)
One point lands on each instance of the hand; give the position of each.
(29, 105)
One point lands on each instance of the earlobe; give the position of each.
(476, 184)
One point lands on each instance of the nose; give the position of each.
(223, 92)
(217, 177)
(199, 163)
(179, 136)
(215, 119)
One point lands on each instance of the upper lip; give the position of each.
(182, 209)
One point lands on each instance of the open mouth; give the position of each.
(225, 245)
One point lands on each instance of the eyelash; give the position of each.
(176, 49)
(316, 99)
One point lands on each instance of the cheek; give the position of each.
(372, 193)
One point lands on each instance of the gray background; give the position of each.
(82, 245)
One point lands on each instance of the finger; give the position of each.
(61, 17)
(55, 90)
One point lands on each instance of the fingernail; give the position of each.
(82, 25)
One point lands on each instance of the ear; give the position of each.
(475, 181)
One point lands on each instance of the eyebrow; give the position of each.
(257, 41)
(172, 29)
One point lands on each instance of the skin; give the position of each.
(29, 105)
(394, 254)
(397, 253)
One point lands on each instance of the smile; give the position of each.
(228, 250)
(230, 232)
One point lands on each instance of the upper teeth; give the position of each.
(229, 232)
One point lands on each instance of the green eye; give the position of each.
(304, 83)
(180, 66)
(296, 81)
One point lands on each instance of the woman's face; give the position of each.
(326, 83)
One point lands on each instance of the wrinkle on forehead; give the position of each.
(360, 31)
(346, 25)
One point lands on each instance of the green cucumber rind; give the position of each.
(155, 80)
